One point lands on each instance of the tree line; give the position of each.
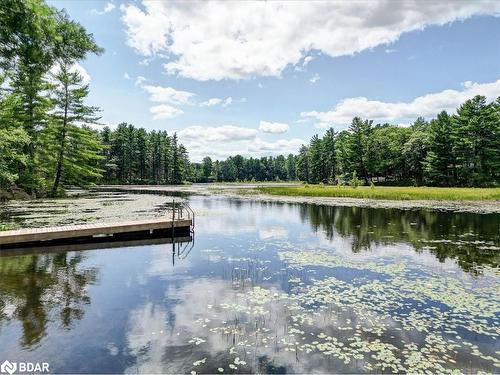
(462, 149)
(239, 168)
(46, 138)
(134, 156)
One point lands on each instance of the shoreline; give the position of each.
(247, 192)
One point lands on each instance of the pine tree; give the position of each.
(316, 160)
(71, 149)
(13, 142)
(33, 36)
(176, 162)
(439, 162)
(329, 158)
(303, 164)
(291, 168)
(167, 158)
(358, 146)
(476, 141)
(207, 168)
(107, 163)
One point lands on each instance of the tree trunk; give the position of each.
(60, 157)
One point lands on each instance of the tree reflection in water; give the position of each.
(42, 288)
(281, 287)
(445, 235)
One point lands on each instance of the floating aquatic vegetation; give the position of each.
(92, 207)
(300, 259)
(196, 341)
(367, 323)
(199, 362)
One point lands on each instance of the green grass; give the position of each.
(386, 192)
(9, 226)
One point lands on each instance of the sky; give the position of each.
(261, 78)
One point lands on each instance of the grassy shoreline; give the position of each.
(386, 192)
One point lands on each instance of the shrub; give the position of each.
(355, 182)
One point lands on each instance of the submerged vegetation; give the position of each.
(386, 192)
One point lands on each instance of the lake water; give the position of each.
(269, 288)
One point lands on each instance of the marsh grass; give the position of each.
(387, 192)
(9, 226)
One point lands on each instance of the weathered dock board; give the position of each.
(90, 230)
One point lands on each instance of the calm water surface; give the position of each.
(269, 288)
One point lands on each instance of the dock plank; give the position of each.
(84, 230)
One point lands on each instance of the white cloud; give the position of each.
(165, 111)
(211, 102)
(219, 142)
(302, 67)
(226, 133)
(74, 68)
(428, 105)
(126, 75)
(140, 80)
(273, 233)
(216, 40)
(273, 127)
(167, 95)
(281, 146)
(315, 78)
(218, 101)
(108, 7)
(307, 60)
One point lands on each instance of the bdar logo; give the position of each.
(8, 367)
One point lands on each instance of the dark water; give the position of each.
(269, 288)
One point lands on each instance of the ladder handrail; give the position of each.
(181, 206)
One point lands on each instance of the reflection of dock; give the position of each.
(181, 243)
(178, 223)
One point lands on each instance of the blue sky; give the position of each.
(261, 78)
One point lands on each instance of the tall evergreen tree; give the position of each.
(329, 158)
(33, 36)
(207, 168)
(439, 162)
(414, 153)
(176, 161)
(317, 164)
(359, 144)
(476, 143)
(303, 164)
(71, 150)
(291, 167)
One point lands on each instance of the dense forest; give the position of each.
(50, 138)
(47, 131)
(135, 156)
(462, 149)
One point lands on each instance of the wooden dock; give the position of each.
(74, 233)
